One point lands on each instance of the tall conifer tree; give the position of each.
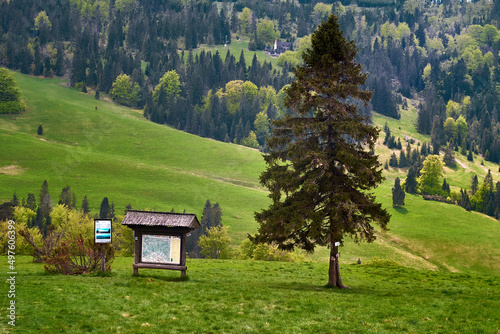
(320, 161)
(398, 194)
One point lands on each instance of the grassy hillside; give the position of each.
(253, 297)
(113, 151)
(235, 48)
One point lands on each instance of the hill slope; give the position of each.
(113, 151)
(100, 149)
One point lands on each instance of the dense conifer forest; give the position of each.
(442, 56)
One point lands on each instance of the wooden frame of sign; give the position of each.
(160, 239)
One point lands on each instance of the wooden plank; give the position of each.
(159, 266)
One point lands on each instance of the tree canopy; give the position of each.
(10, 95)
(430, 176)
(320, 161)
(124, 91)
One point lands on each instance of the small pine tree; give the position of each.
(31, 202)
(474, 184)
(402, 159)
(211, 217)
(67, 197)
(97, 95)
(411, 181)
(15, 199)
(105, 208)
(85, 205)
(470, 156)
(446, 186)
(463, 147)
(394, 160)
(449, 159)
(398, 194)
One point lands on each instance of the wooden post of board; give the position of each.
(183, 254)
(137, 251)
(103, 259)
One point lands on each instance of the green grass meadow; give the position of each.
(232, 296)
(236, 46)
(115, 152)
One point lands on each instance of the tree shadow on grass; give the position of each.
(401, 210)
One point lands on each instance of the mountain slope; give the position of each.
(113, 151)
(100, 149)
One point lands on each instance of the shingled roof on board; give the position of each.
(168, 219)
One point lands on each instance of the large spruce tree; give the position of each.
(321, 163)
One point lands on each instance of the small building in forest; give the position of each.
(277, 49)
(160, 239)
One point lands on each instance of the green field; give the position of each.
(113, 151)
(232, 296)
(235, 48)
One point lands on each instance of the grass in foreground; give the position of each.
(253, 297)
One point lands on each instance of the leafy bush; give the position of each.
(41, 247)
(267, 252)
(68, 246)
(381, 262)
(11, 107)
(22, 216)
(215, 244)
(78, 256)
(123, 239)
(22, 246)
(10, 95)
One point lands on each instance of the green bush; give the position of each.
(266, 252)
(77, 256)
(12, 107)
(382, 262)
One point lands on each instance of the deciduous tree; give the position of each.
(10, 94)
(430, 176)
(124, 91)
(321, 166)
(215, 244)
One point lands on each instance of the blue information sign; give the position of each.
(102, 231)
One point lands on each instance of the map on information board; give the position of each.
(161, 249)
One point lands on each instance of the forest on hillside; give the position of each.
(150, 55)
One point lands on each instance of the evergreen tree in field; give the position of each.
(211, 217)
(105, 208)
(31, 202)
(474, 184)
(449, 158)
(445, 186)
(402, 159)
(393, 162)
(85, 205)
(411, 181)
(67, 197)
(470, 156)
(320, 165)
(44, 208)
(398, 194)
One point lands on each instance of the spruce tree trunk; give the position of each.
(334, 279)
